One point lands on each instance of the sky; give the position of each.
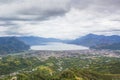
(62, 19)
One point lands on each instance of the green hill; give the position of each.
(12, 45)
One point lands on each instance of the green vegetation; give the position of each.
(69, 68)
(11, 64)
(12, 45)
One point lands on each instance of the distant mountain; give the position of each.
(12, 45)
(17, 44)
(98, 41)
(31, 40)
(113, 46)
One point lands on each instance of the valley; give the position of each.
(37, 58)
(58, 65)
(59, 39)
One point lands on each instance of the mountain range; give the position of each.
(90, 40)
(12, 45)
(98, 41)
(33, 40)
(18, 44)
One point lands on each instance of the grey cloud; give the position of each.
(44, 11)
(6, 1)
(40, 16)
(7, 23)
(14, 31)
(32, 17)
(81, 4)
(39, 10)
(110, 30)
(97, 5)
(16, 18)
(114, 30)
(117, 20)
(32, 11)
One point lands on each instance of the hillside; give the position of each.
(81, 67)
(70, 74)
(12, 45)
(113, 46)
(32, 40)
(98, 41)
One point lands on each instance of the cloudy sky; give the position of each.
(64, 19)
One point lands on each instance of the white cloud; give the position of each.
(64, 19)
(74, 24)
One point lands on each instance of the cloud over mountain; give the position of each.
(66, 19)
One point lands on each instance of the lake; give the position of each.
(58, 46)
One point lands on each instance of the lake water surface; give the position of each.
(58, 46)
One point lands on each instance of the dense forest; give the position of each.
(16, 67)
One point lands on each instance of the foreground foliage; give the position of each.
(69, 68)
